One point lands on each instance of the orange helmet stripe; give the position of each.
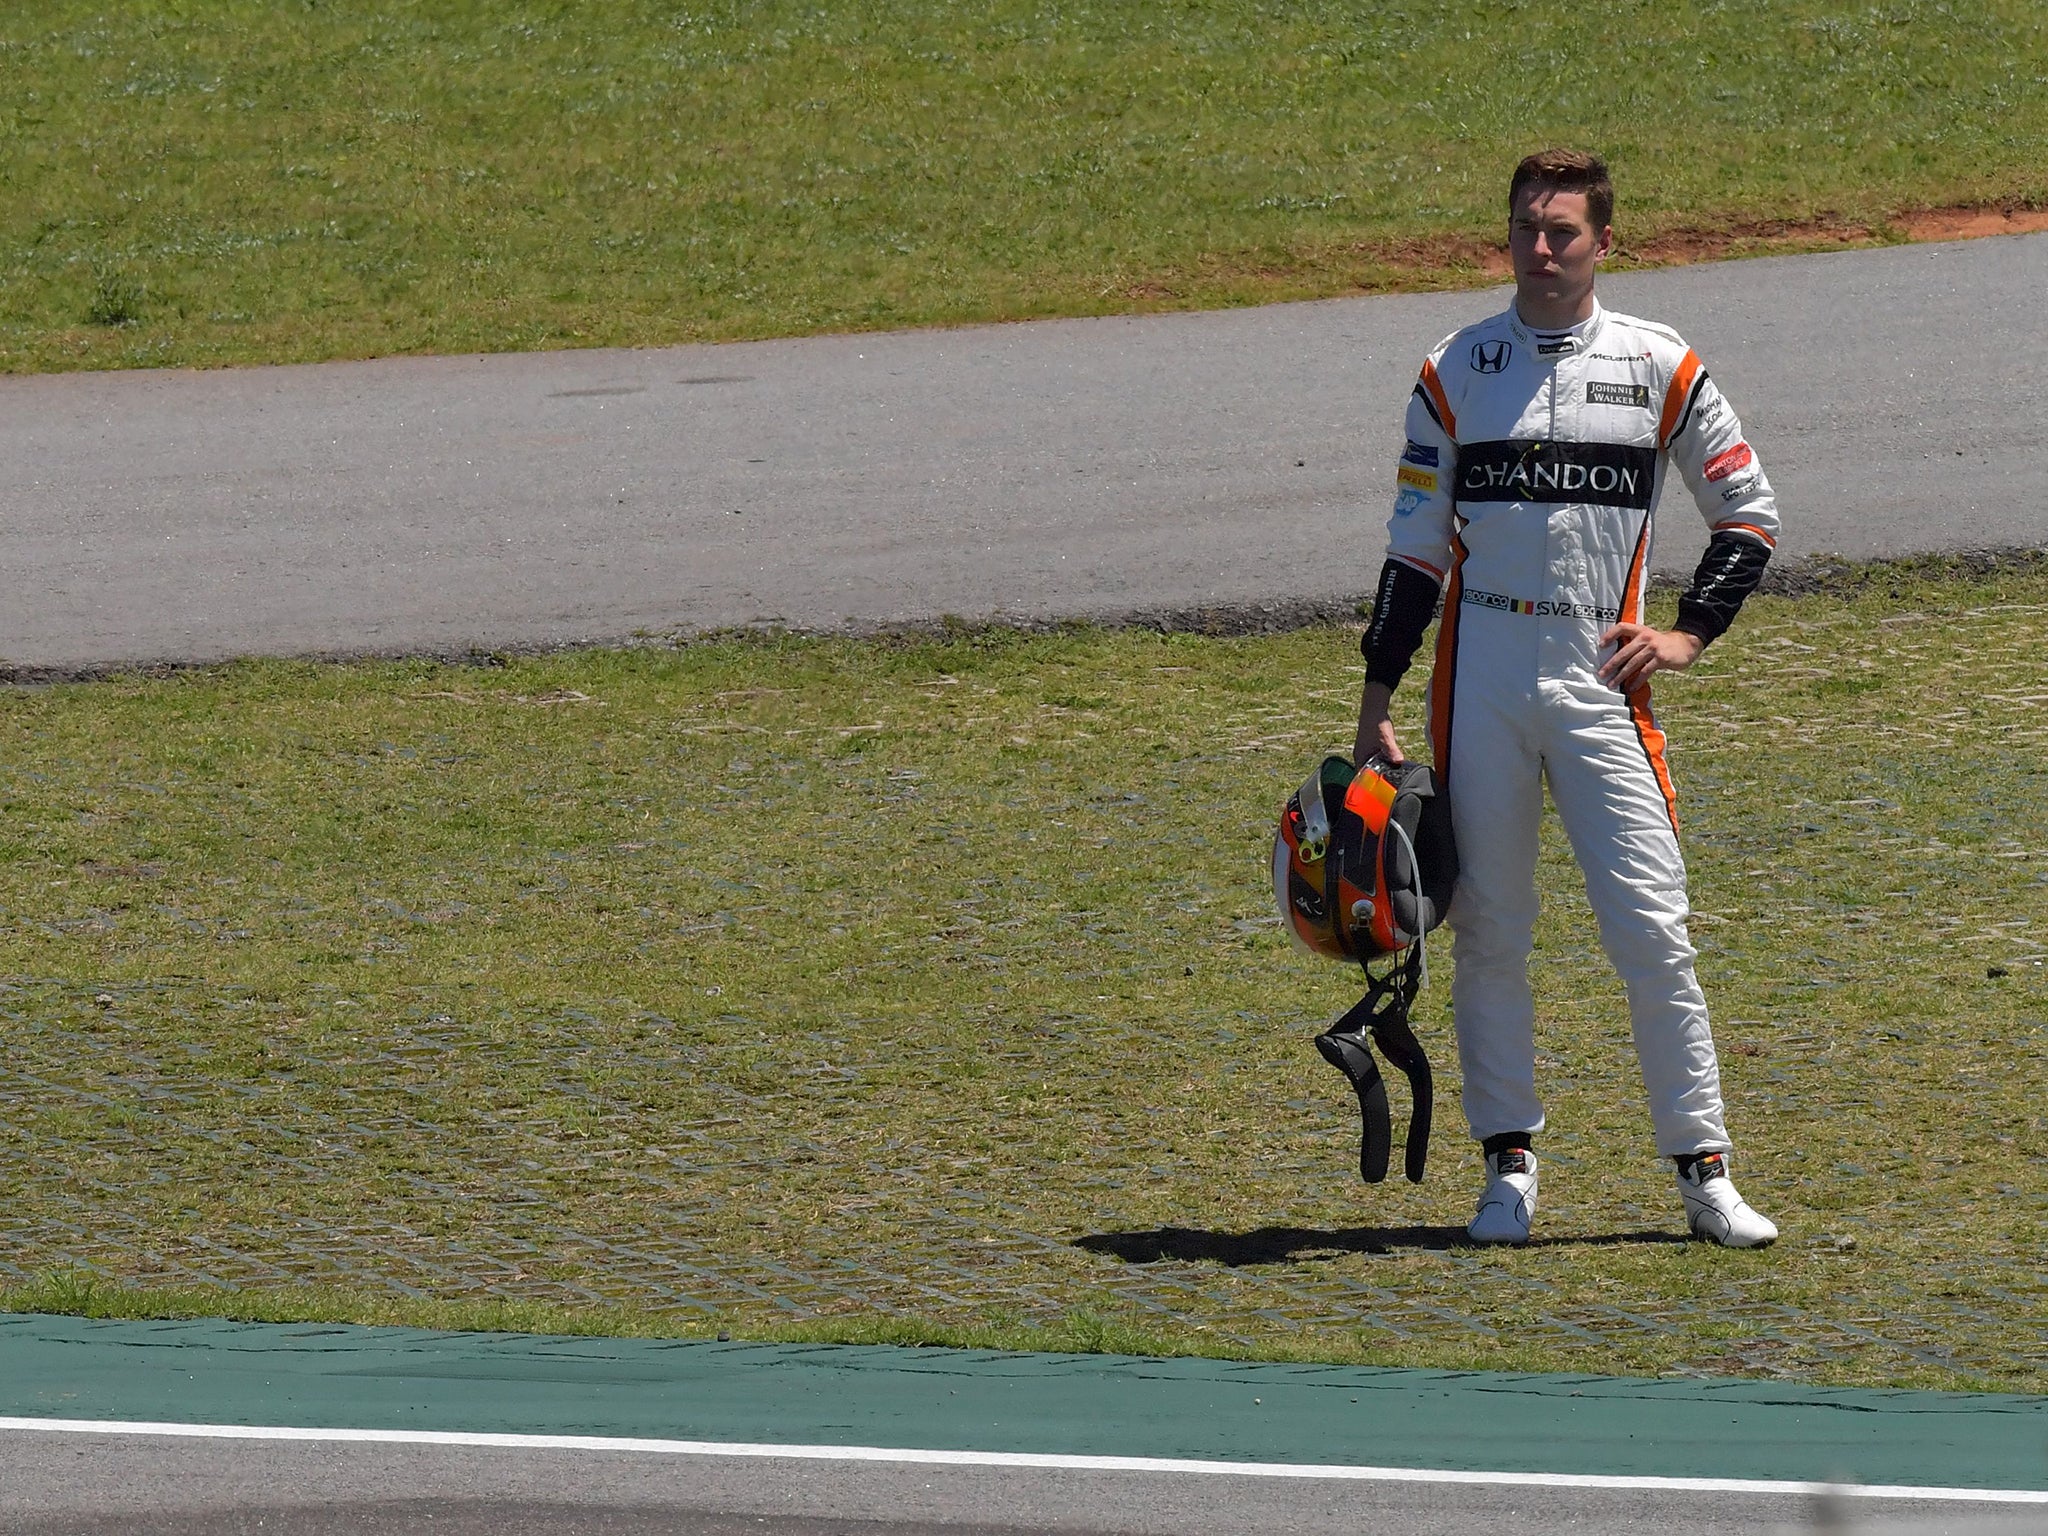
(1370, 798)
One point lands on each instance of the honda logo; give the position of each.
(1491, 356)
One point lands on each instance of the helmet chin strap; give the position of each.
(1383, 1014)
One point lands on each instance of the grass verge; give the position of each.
(235, 181)
(927, 991)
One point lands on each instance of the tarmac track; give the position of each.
(1236, 462)
(150, 1486)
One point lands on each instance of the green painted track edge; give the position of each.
(344, 1377)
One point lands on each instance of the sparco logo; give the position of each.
(1491, 356)
(1596, 474)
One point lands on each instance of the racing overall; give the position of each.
(1526, 492)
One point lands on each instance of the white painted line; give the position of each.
(1027, 1459)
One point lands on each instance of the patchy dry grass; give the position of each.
(929, 990)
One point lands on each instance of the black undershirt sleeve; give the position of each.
(1728, 572)
(1401, 611)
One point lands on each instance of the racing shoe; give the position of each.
(1509, 1200)
(1713, 1207)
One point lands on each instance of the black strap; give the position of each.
(1393, 1036)
(1349, 1054)
(1383, 1013)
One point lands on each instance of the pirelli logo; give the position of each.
(1597, 474)
(1421, 479)
(1600, 392)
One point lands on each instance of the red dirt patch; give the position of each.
(1973, 223)
(1677, 247)
(1402, 265)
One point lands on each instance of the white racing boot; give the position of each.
(1508, 1202)
(1715, 1210)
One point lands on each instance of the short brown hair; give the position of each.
(1566, 170)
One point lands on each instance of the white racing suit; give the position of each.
(1526, 490)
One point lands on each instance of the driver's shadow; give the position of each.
(1288, 1245)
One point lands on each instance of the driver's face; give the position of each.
(1554, 246)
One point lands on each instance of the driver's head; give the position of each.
(1559, 203)
(1565, 170)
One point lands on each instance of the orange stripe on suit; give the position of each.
(1748, 528)
(1435, 387)
(1441, 680)
(1424, 566)
(1674, 398)
(1639, 696)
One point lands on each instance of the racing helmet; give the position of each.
(1363, 861)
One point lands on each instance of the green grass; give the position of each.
(928, 990)
(231, 181)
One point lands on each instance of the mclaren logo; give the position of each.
(1491, 356)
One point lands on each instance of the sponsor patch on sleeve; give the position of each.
(1604, 392)
(1421, 479)
(1724, 464)
(1419, 453)
(1409, 502)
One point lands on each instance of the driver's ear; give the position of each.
(1606, 244)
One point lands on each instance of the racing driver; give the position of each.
(1538, 441)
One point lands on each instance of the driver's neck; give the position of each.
(1555, 314)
